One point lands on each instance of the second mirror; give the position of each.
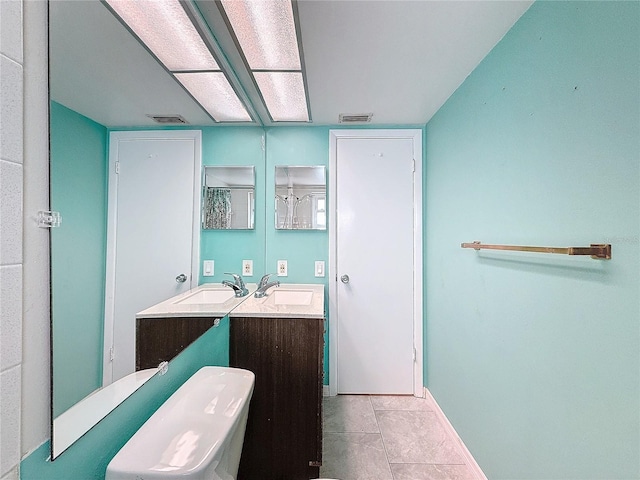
(228, 201)
(301, 198)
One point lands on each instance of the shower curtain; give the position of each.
(217, 208)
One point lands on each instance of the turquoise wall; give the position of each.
(302, 146)
(264, 245)
(534, 358)
(78, 189)
(227, 248)
(88, 458)
(298, 146)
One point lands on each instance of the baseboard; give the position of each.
(325, 391)
(464, 451)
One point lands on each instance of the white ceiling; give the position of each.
(397, 59)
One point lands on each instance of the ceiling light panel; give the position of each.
(284, 95)
(165, 28)
(266, 32)
(214, 92)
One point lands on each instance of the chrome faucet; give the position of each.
(238, 285)
(264, 285)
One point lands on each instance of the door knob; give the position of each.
(344, 278)
(181, 278)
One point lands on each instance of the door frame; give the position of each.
(416, 136)
(109, 302)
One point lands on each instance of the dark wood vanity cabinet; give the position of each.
(283, 440)
(161, 339)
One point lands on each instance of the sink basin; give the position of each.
(289, 300)
(208, 296)
(292, 297)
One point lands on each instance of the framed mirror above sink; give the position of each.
(301, 198)
(228, 201)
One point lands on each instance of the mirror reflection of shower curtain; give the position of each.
(217, 208)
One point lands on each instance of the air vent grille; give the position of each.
(355, 117)
(167, 119)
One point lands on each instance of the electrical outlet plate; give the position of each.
(207, 268)
(282, 268)
(247, 268)
(319, 268)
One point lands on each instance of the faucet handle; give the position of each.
(238, 285)
(264, 279)
(234, 275)
(237, 278)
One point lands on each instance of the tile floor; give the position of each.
(387, 437)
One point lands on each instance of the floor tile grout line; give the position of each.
(352, 431)
(384, 445)
(427, 463)
(431, 464)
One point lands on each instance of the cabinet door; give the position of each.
(161, 339)
(284, 430)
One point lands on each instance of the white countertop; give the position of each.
(289, 300)
(275, 305)
(179, 305)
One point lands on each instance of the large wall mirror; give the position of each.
(228, 201)
(99, 83)
(301, 198)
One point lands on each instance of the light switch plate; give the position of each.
(319, 268)
(247, 268)
(282, 268)
(207, 268)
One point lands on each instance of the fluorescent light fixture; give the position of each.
(214, 92)
(265, 31)
(283, 92)
(166, 29)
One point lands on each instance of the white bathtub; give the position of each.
(75, 422)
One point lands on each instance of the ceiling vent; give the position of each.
(355, 117)
(168, 119)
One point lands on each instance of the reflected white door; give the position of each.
(375, 265)
(151, 224)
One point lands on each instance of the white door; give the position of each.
(153, 194)
(375, 259)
